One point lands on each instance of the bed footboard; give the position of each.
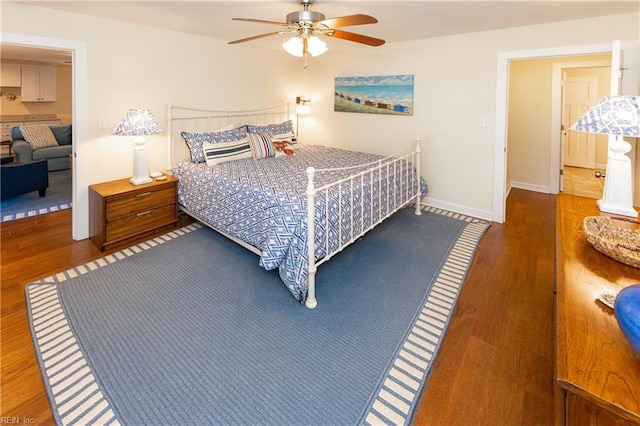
(393, 167)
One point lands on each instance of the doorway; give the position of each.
(57, 67)
(534, 115)
(80, 172)
(502, 171)
(583, 155)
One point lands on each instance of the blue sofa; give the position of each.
(57, 156)
(18, 179)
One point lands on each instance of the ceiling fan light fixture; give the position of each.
(315, 46)
(295, 46)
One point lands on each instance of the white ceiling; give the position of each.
(398, 20)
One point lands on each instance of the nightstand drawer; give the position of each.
(129, 203)
(141, 221)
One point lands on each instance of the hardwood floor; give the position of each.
(495, 365)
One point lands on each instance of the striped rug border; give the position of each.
(407, 374)
(34, 212)
(73, 390)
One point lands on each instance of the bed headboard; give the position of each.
(185, 119)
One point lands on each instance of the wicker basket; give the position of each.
(618, 243)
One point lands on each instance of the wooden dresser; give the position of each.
(597, 373)
(121, 213)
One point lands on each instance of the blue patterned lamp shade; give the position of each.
(138, 122)
(612, 115)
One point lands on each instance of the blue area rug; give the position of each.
(58, 197)
(188, 329)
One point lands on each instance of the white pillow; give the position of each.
(38, 136)
(221, 152)
(288, 136)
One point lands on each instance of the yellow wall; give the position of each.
(529, 117)
(62, 106)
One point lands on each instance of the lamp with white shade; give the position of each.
(139, 123)
(617, 116)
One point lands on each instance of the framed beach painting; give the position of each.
(386, 94)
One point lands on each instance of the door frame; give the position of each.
(556, 116)
(79, 101)
(502, 92)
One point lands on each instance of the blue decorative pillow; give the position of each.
(63, 134)
(195, 140)
(276, 129)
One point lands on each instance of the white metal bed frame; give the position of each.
(200, 120)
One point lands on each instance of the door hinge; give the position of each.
(621, 73)
(561, 172)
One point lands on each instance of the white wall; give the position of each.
(131, 66)
(455, 86)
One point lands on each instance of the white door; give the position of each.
(578, 95)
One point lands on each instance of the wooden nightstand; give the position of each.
(121, 213)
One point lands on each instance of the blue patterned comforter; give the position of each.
(263, 203)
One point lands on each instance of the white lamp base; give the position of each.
(615, 208)
(140, 181)
(140, 168)
(617, 197)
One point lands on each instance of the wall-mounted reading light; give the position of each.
(301, 105)
(301, 109)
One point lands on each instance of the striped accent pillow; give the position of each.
(38, 136)
(216, 153)
(261, 145)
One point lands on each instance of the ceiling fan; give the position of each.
(304, 24)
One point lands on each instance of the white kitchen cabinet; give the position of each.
(39, 84)
(10, 75)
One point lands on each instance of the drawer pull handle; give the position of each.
(143, 213)
(144, 194)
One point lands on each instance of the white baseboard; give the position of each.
(530, 187)
(457, 208)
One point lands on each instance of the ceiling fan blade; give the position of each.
(346, 21)
(260, 21)
(358, 38)
(242, 40)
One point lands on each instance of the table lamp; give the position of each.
(139, 123)
(617, 116)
